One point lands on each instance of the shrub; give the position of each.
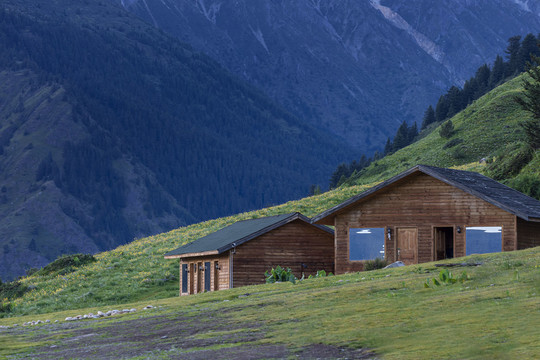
(279, 274)
(514, 157)
(5, 307)
(452, 143)
(320, 273)
(375, 264)
(12, 290)
(527, 184)
(447, 129)
(66, 264)
(446, 278)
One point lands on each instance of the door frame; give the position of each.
(434, 239)
(397, 228)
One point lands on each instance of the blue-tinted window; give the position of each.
(483, 239)
(184, 278)
(366, 244)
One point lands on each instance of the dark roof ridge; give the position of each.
(509, 199)
(240, 232)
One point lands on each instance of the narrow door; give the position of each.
(192, 270)
(407, 245)
(207, 276)
(216, 275)
(444, 243)
(184, 278)
(199, 278)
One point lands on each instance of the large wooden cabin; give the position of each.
(239, 254)
(427, 214)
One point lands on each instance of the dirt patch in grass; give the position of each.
(206, 335)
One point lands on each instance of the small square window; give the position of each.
(483, 239)
(366, 243)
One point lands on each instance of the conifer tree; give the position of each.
(497, 72)
(429, 117)
(530, 102)
(388, 147)
(447, 129)
(413, 132)
(512, 51)
(441, 110)
(529, 47)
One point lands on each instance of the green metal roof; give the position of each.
(240, 232)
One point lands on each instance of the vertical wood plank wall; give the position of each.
(223, 273)
(288, 246)
(424, 202)
(528, 234)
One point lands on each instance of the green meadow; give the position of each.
(494, 314)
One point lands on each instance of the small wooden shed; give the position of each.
(239, 254)
(428, 213)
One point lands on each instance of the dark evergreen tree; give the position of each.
(388, 147)
(441, 110)
(401, 139)
(455, 101)
(429, 117)
(530, 102)
(413, 133)
(512, 52)
(482, 80)
(342, 170)
(529, 48)
(447, 129)
(497, 72)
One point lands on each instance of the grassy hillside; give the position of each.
(493, 314)
(483, 130)
(137, 271)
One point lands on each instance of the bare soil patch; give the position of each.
(208, 335)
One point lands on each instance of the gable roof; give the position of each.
(473, 183)
(237, 234)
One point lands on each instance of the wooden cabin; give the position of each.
(428, 213)
(239, 254)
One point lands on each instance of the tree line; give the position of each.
(518, 55)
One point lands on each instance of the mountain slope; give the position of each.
(483, 130)
(353, 68)
(111, 130)
(486, 127)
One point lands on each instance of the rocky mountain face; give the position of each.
(111, 130)
(354, 68)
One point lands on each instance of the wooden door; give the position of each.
(199, 277)
(216, 275)
(192, 270)
(407, 245)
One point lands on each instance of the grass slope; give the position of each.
(137, 271)
(494, 314)
(482, 130)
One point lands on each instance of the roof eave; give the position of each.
(187, 255)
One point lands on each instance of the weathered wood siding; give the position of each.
(423, 202)
(290, 245)
(528, 234)
(223, 274)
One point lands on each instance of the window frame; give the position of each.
(475, 226)
(385, 246)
